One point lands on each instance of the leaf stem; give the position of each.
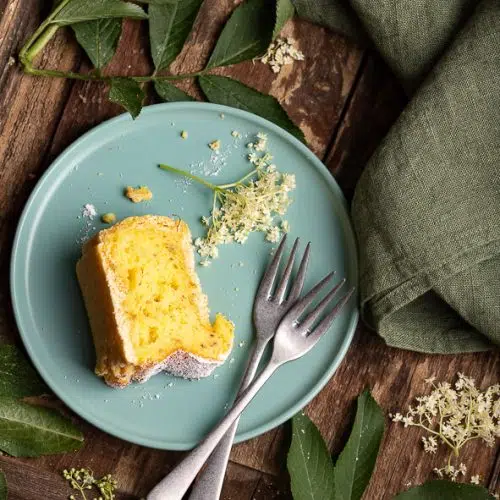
(52, 73)
(38, 44)
(154, 77)
(213, 187)
(47, 30)
(41, 36)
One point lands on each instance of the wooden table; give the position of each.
(344, 99)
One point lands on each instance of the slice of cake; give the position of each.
(145, 304)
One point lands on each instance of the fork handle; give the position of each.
(208, 484)
(177, 482)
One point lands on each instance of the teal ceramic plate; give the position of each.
(167, 412)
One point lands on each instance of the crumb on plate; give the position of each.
(214, 145)
(184, 134)
(136, 195)
(109, 218)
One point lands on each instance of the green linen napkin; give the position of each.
(426, 209)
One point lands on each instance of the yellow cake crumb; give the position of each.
(109, 218)
(215, 145)
(184, 134)
(136, 195)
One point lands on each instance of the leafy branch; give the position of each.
(97, 25)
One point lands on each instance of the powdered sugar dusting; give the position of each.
(88, 214)
(182, 364)
(89, 211)
(213, 166)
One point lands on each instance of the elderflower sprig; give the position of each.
(455, 415)
(280, 53)
(255, 203)
(83, 479)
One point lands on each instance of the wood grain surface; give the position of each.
(344, 99)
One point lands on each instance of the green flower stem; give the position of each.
(438, 434)
(214, 206)
(213, 187)
(237, 183)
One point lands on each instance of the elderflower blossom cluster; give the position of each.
(280, 53)
(250, 205)
(83, 479)
(454, 415)
(452, 472)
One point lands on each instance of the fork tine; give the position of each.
(298, 283)
(325, 324)
(281, 290)
(266, 284)
(318, 310)
(305, 302)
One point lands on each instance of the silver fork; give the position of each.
(268, 310)
(297, 334)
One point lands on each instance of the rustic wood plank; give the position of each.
(3, 5)
(258, 453)
(30, 109)
(27, 481)
(313, 92)
(373, 108)
(271, 488)
(48, 483)
(240, 483)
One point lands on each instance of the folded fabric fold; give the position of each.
(427, 207)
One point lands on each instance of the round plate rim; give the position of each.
(95, 131)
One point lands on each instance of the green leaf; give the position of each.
(77, 11)
(17, 377)
(30, 431)
(355, 464)
(127, 93)
(445, 490)
(169, 26)
(99, 39)
(309, 463)
(3, 486)
(247, 34)
(224, 90)
(171, 93)
(284, 11)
